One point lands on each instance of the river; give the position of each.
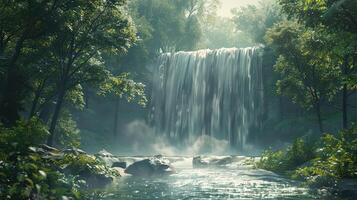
(235, 181)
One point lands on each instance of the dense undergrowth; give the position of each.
(30, 170)
(323, 162)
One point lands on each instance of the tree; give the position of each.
(339, 20)
(87, 31)
(308, 76)
(222, 32)
(170, 25)
(22, 22)
(339, 14)
(254, 21)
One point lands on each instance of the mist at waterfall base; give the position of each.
(202, 102)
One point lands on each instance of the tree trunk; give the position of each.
(344, 107)
(36, 98)
(319, 118)
(10, 104)
(55, 116)
(345, 95)
(45, 112)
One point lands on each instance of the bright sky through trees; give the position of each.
(227, 5)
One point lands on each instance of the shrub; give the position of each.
(25, 174)
(19, 138)
(67, 133)
(331, 159)
(31, 171)
(336, 158)
(282, 161)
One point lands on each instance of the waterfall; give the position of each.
(218, 93)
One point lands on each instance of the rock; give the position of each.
(74, 150)
(97, 180)
(47, 152)
(107, 157)
(150, 167)
(104, 153)
(159, 156)
(48, 148)
(212, 161)
(120, 171)
(199, 162)
(120, 164)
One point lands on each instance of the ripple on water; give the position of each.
(211, 183)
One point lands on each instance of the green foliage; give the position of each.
(83, 165)
(167, 25)
(221, 32)
(19, 138)
(29, 170)
(24, 174)
(337, 14)
(307, 76)
(68, 135)
(336, 159)
(56, 48)
(282, 161)
(31, 177)
(122, 86)
(317, 49)
(254, 21)
(323, 164)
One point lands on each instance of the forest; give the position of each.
(257, 103)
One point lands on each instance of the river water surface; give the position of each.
(235, 181)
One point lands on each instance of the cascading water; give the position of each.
(218, 93)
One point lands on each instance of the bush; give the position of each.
(84, 165)
(336, 158)
(29, 170)
(67, 133)
(24, 174)
(282, 161)
(19, 138)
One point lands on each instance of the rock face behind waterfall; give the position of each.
(218, 93)
(150, 167)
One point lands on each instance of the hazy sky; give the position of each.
(227, 5)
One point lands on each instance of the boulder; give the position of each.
(120, 164)
(104, 153)
(96, 180)
(74, 151)
(47, 152)
(212, 161)
(199, 162)
(108, 158)
(150, 167)
(47, 148)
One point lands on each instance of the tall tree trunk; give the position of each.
(115, 128)
(344, 107)
(36, 98)
(45, 112)
(345, 95)
(319, 118)
(10, 104)
(55, 116)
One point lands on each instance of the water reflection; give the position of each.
(212, 183)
